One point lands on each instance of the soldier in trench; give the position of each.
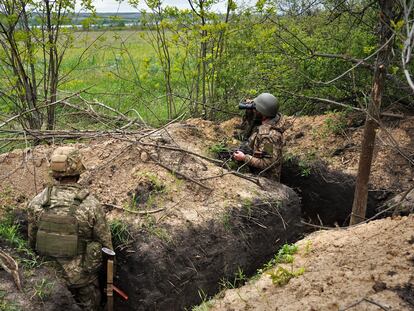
(266, 140)
(68, 224)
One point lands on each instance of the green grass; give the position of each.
(284, 255)
(205, 304)
(121, 235)
(6, 305)
(10, 232)
(122, 68)
(281, 276)
(43, 289)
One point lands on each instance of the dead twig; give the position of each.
(146, 212)
(366, 300)
(10, 266)
(41, 107)
(174, 172)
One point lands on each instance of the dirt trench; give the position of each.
(177, 274)
(180, 273)
(327, 195)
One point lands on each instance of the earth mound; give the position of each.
(183, 221)
(367, 267)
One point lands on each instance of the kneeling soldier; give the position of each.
(68, 224)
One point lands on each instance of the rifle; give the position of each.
(226, 153)
(109, 256)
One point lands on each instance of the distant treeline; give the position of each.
(97, 19)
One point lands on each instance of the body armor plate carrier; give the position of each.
(58, 233)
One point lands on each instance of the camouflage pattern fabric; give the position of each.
(266, 143)
(81, 270)
(88, 297)
(66, 161)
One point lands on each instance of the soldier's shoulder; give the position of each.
(90, 202)
(40, 199)
(264, 129)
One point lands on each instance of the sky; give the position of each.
(114, 6)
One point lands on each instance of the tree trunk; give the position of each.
(368, 143)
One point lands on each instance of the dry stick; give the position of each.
(360, 62)
(366, 300)
(135, 212)
(44, 135)
(180, 174)
(367, 220)
(324, 100)
(112, 110)
(161, 128)
(41, 107)
(182, 150)
(91, 112)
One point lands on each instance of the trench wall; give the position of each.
(176, 274)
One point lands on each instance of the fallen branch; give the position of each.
(10, 266)
(146, 212)
(41, 107)
(174, 172)
(182, 150)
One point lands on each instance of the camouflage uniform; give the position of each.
(91, 234)
(266, 143)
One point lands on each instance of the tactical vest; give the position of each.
(58, 229)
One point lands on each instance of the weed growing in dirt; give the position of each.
(247, 205)
(282, 276)
(153, 179)
(225, 220)
(10, 232)
(148, 191)
(7, 201)
(304, 162)
(151, 227)
(205, 304)
(308, 248)
(42, 289)
(305, 169)
(284, 255)
(334, 124)
(239, 279)
(219, 148)
(121, 236)
(6, 305)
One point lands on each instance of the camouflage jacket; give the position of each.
(83, 268)
(266, 143)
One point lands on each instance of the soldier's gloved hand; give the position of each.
(239, 155)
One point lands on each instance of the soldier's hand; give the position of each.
(239, 155)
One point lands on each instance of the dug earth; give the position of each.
(183, 223)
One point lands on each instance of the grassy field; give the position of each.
(122, 70)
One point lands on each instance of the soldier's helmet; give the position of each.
(267, 104)
(66, 161)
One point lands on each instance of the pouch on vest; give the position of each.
(57, 235)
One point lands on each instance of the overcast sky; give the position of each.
(114, 6)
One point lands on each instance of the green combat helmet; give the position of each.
(267, 104)
(66, 161)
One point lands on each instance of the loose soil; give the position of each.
(186, 233)
(367, 266)
(190, 232)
